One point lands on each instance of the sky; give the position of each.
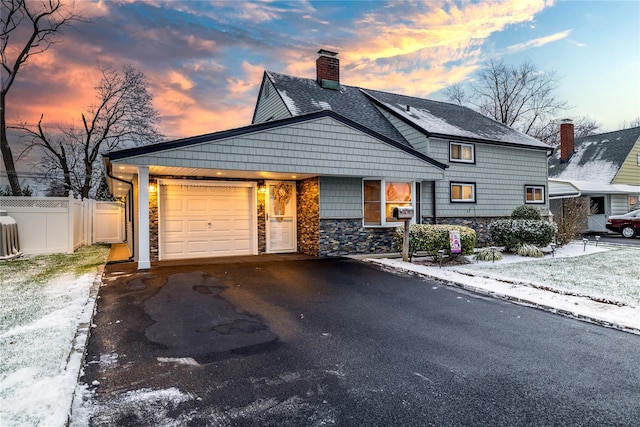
(205, 60)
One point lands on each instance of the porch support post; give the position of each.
(144, 260)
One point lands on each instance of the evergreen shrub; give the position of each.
(526, 212)
(512, 233)
(431, 238)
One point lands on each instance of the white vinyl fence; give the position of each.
(49, 225)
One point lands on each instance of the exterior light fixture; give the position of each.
(152, 188)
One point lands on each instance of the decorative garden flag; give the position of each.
(454, 242)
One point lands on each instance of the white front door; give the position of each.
(280, 207)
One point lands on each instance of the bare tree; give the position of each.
(123, 116)
(28, 28)
(631, 124)
(521, 97)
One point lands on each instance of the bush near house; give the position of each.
(526, 212)
(431, 238)
(512, 233)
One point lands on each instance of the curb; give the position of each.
(78, 350)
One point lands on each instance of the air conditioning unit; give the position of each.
(9, 242)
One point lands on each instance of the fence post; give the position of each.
(71, 230)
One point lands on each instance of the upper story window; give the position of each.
(461, 152)
(534, 194)
(463, 192)
(266, 90)
(381, 196)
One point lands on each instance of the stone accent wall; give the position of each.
(262, 223)
(480, 225)
(339, 237)
(308, 215)
(153, 221)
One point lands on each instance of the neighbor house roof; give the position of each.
(434, 118)
(596, 158)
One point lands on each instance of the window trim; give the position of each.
(462, 144)
(383, 202)
(472, 184)
(535, 202)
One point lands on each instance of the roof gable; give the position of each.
(354, 148)
(596, 158)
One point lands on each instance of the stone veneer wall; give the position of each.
(480, 225)
(339, 237)
(153, 221)
(308, 216)
(262, 223)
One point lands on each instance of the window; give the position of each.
(381, 196)
(634, 202)
(459, 152)
(534, 194)
(597, 206)
(463, 192)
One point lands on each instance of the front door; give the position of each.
(280, 218)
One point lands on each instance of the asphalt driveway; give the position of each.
(314, 342)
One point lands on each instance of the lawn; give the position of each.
(42, 301)
(610, 275)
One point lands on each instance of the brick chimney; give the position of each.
(328, 70)
(566, 140)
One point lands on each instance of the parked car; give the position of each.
(628, 224)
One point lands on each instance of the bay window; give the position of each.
(381, 196)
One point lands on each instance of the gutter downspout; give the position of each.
(433, 201)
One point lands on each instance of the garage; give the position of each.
(200, 219)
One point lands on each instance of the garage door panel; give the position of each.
(174, 226)
(198, 205)
(198, 247)
(196, 226)
(201, 221)
(173, 205)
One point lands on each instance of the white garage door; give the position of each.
(206, 219)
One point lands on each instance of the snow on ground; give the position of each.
(41, 353)
(598, 284)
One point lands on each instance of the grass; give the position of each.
(610, 275)
(24, 291)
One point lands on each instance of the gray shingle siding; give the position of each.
(269, 106)
(340, 197)
(322, 146)
(417, 139)
(500, 174)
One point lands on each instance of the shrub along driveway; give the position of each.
(341, 342)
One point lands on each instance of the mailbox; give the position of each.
(403, 212)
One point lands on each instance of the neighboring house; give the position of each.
(605, 168)
(319, 172)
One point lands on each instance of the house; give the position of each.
(319, 172)
(604, 168)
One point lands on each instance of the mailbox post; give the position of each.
(404, 214)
